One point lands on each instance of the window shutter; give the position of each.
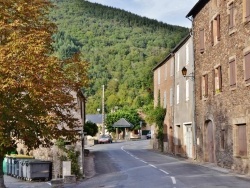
(218, 27)
(201, 87)
(220, 78)
(202, 40)
(232, 73)
(213, 75)
(247, 67)
(212, 33)
(206, 85)
(247, 10)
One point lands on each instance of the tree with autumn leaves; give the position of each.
(35, 87)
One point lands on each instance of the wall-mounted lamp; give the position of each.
(184, 73)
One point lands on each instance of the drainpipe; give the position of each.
(173, 107)
(194, 108)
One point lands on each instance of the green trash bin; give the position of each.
(5, 170)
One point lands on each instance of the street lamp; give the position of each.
(184, 73)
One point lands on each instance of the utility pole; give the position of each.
(103, 113)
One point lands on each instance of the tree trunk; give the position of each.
(1, 173)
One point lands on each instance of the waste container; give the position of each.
(9, 164)
(38, 170)
(15, 163)
(24, 167)
(20, 172)
(5, 166)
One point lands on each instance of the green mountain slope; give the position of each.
(122, 49)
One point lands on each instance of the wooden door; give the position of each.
(209, 143)
(189, 141)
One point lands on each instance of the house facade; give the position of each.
(164, 93)
(221, 31)
(184, 126)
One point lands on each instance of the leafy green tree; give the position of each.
(90, 128)
(122, 49)
(129, 114)
(34, 89)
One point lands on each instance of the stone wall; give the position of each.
(222, 108)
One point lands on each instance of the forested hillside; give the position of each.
(121, 47)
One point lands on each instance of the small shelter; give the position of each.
(123, 123)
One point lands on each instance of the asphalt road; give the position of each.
(132, 165)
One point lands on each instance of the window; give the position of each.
(247, 67)
(232, 73)
(187, 54)
(246, 10)
(202, 41)
(172, 68)
(215, 3)
(215, 30)
(166, 71)
(165, 100)
(178, 62)
(159, 76)
(231, 19)
(187, 90)
(222, 139)
(241, 140)
(171, 97)
(217, 80)
(177, 94)
(204, 86)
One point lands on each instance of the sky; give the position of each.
(167, 11)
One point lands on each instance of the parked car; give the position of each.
(105, 139)
(149, 135)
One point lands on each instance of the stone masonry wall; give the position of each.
(224, 108)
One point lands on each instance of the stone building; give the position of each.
(164, 90)
(221, 31)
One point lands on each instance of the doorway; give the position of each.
(189, 141)
(209, 142)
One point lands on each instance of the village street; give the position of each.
(133, 164)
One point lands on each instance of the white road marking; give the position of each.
(152, 165)
(164, 171)
(173, 180)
